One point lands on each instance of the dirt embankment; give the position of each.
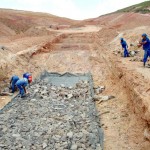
(135, 83)
(16, 59)
(46, 48)
(134, 75)
(21, 21)
(134, 78)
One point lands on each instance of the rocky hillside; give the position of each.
(19, 21)
(138, 8)
(127, 18)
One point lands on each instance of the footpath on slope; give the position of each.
(59, 113)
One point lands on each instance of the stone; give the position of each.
(44, 145)
(132, 53)
(74, 147)
(69, 96)
(103, 98)
(4, 129)
(25, 129)
(96, 98)
(64, 144)
(102, 87)
(16, 135)
(33, 100)
(132, 44)
(3, 48)
(36, 90)
(64, 138)
(99, 90)
(70, 87)
(85, 132)
(79, 135)
(56, 137)
(98, 147)
(3, 146)
(62, 85)
(63, 119)
(53, 88)
(70, 134)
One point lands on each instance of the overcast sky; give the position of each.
(75, 9)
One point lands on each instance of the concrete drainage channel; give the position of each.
(58, 114)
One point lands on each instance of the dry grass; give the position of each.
(138, 8)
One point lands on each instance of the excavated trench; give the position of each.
(59, 113)
(76, 53)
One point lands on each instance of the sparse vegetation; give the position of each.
(143, 7)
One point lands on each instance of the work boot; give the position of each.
(23, 96)
(144, 64)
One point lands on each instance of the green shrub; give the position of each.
(138, 8)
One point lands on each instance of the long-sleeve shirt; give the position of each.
(146, 46)
(22, 82)
(124, 44)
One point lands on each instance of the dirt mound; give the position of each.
(46, 48)
(37, 31)
(6, 31)
(121, 21)
(21, 21)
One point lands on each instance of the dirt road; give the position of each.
(85, 29)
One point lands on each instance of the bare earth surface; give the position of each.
(91, 49)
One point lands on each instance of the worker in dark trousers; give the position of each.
(21, 85)
(125, 47)
(13, 81)
(145, 42)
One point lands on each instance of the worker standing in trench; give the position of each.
(145, 42)
(125, 47)
(22, 83)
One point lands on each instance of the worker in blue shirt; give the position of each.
(125, 47)
(21, 85)
(146, 47)
(13, 81)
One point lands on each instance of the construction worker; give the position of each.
(145, 42)
(13, 81)
(21, 84)
(125, 47)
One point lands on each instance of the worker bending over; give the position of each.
(22, 83)
(125, 47)
(13, 81)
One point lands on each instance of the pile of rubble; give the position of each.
(51, 117)
(3, 48)
(132, 53)
(137, 59)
